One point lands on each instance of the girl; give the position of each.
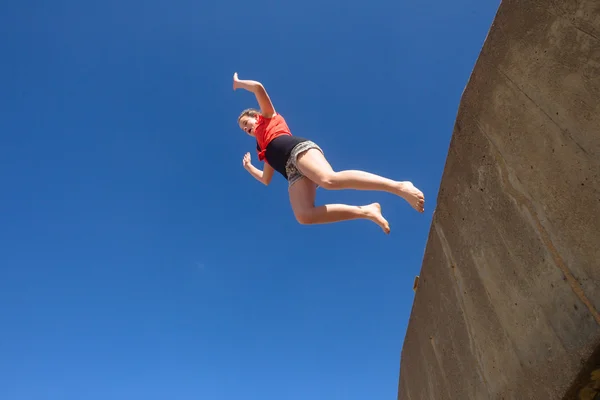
(304, 165)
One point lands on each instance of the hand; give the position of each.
(235, 81)
(247, 160)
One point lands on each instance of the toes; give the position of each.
(419, 206)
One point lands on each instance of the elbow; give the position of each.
(258, 88)
(266, 180)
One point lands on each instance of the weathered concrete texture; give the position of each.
(509, 294)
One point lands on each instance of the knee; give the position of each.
(331, 181)
(304, 217)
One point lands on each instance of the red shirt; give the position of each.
(268, 129)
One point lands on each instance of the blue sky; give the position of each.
(140, 260)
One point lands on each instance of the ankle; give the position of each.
(370, 211)
(401, 187)
(364, 211)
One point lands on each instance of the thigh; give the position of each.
(302, 195)
(313, 164)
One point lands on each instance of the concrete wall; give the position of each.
(509, 293)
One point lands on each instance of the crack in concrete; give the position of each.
(564, 131)
(571, 20)
(586, 32)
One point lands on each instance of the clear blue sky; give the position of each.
(139, 260)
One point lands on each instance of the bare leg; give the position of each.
(302, 198)
(314, 165)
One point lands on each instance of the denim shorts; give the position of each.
(291, 169)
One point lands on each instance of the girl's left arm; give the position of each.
(264, 101)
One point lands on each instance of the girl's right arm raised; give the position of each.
(265, 103)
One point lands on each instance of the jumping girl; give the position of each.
(303, 164)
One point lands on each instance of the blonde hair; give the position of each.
(249, 112)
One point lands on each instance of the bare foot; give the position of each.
(373, 212)
(412, 195)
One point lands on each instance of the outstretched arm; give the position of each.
(264, 102)
(263, 176)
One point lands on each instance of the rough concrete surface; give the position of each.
(508, 302)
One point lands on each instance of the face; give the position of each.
(248, 124)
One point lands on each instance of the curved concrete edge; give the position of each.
(508, 298)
